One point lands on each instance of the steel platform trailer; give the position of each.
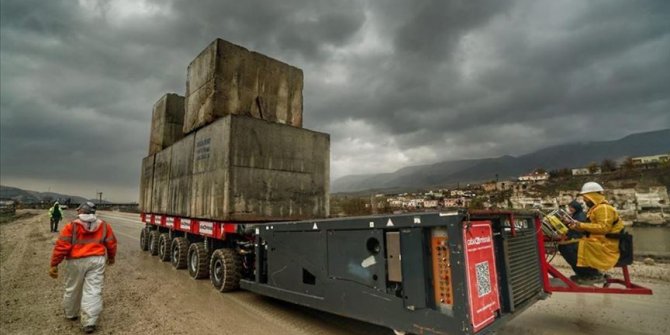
(422, 273)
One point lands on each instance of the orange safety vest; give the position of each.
(76, 242)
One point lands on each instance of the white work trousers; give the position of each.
(83, 288)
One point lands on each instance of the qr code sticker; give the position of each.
(483, 278)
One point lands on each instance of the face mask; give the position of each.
(588, 203)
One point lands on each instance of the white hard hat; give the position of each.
(591, 187)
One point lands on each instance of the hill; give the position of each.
(31, 197)
(477, 170)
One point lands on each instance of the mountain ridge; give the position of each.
(569, 155)
(28, 196)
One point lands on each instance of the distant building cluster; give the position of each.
(521, 193)
(432, 199)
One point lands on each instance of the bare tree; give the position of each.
(608, 165)
(628, 164)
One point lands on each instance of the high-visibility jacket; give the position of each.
(596, 250)
(55, 212)
(77, 242)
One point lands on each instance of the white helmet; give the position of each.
(591, 187)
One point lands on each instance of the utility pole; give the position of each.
(99, 197)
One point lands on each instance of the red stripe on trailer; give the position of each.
(218, 228)
(201, 227)
(229, 228)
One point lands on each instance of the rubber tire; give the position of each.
(144, 239)
(197, 261)
(164, 250)
(154, 235)
(179, 251)
(225, 270)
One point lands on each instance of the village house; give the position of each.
(489, 187)
(535, 176)
(394, 202)
(455, 202)
(650, 161)
(456, 193)
(586, 171)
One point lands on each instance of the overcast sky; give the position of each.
(395, 82)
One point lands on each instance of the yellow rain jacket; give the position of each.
(596, 250)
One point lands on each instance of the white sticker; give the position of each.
(206, 228)
(389, 223)
(417, 219)
(315, 227)
(368, 262)
(185, 224)
(258, 231)
(169, 222)
(372, 224)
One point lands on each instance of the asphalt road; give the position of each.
(245, 312)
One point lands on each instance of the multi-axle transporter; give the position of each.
(454, 272)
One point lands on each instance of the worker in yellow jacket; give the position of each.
(594, 252)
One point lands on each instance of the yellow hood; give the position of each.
(594, 197)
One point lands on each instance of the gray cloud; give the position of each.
(396, 83)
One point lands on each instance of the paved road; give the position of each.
(563, 313)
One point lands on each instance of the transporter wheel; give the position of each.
(144, 239)
(164, 244)
(225, 270)
(179, 252)
(197, 264)
(154, 235)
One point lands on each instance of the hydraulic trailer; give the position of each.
(424, 273)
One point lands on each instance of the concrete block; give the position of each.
(181, 175)
(228, 79)
(161, 181)
(246, 169)
(146, 183)
(167, 122)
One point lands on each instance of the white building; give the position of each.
(535, 176)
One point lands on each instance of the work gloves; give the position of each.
(53, 272)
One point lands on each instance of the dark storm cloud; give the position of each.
(395, 82)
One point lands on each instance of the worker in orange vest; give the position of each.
(84, 243)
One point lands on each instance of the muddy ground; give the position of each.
(143, 295)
